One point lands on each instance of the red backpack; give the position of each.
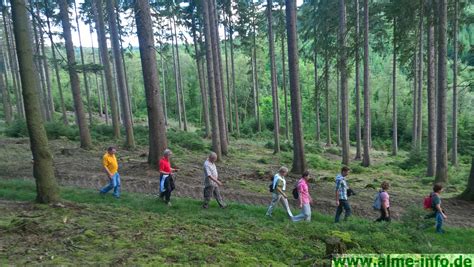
(427, 202)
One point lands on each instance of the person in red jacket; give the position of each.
(166, 179)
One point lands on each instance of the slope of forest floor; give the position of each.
(138, 229)
(246, 173)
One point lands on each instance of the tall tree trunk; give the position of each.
(415, 103)
(229, 96)
(442, 146)
(56, 72)
(218, 77)
(216, 140)
(39, 66)
(254, 87)
(119, 68)
(431, 94)
(98, 11)
(44, 62)
(197, 52)
(367, 121)
(4, 92)
(338, 105)
(163, 71)
(299, 162)
(454, 147)
(468, 194)
(419, 105)
(46, 186)
(176, 78)
(156, 118)
(98, 89)
(344, 86)
(357, 82)
(276, 109)
(84, 73)
(317, 95)
(74, 78)
(180, 77)
(283, 84)
(234, 90)
(394, 93)
(328, 111)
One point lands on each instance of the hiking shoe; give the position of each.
(169, 204)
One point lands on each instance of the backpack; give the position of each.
(377, 201)
(296, 195)
(428, 202)
(270, 187)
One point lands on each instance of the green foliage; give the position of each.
(416, 159)
(55, 130)
(187, 140)
(16, 129)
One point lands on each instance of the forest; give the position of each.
(383, 87)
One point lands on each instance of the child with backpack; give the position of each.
(278, 188)
(304, 199)
(438, 212)
(382, 203)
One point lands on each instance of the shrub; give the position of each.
(190, 141)
(55, 130)
(313, 148)
(334, 151)
(17, 129)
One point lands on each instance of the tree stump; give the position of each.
(335, 245)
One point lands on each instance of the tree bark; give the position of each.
(216, 140)
(367, 119)
(163, 71)
(229, 96)
(454, 146)
(394, 93)
(431, 94)
(285, 94)
(84, 73)
(156, 118)
(176, 79)
(344, 86)
(468, 194)
(98, 11)
(419, 105)
(328, 111)
(4, 92)
(442, 147)
(299, 162)
(234, 90)
(119, 68)
(357, 82)
(317, 95)
(43, 171)
(180, 80)
(84, 133)
(276, 109)
(338, 105)
(415, 103)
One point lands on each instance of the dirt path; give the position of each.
(243, 184)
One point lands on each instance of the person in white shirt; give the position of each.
(212, 182)
(279, 187)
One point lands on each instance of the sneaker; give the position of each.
(268, 215)
(169, 204)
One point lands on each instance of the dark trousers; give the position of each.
(343, 204)
(168, 186)
(384, 216)
(166, 196)
(210, 191)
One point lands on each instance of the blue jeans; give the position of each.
(439, 222)
(343, 204)
(304, 215)
(115, 184)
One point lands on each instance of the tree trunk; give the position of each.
(431, 94)
(285, 94)
(328, 112)
(344, 86)
(442, 147)
(218, 77)
(181, 90)
(43, 170)
(299, 162)
(74, 78)
(394, 94)
(357, 82)
(176, 79)
(97, 9)
(56, 72)
(216, 141)
(84, 74)
(338, 105)
(4, 92)
(119, 68)
(99, 94)
(44, 61)
(415, 103)
(197, 52)
(234, 90)
(156, 118)
(163, 71)
(454, 147)
(276, 109)
(468, 194)
(419, 105)
(229, 96)
(317, 95)
(367, 123)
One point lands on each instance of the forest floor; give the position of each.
(246, 173)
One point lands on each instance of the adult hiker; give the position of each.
(166, 178)
(342, 200)
(304, 199)
(278, 192)
(110, 164)
(212, 182)
(384, 203)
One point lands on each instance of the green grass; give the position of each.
(138, 229)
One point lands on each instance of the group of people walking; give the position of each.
(277, 187)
